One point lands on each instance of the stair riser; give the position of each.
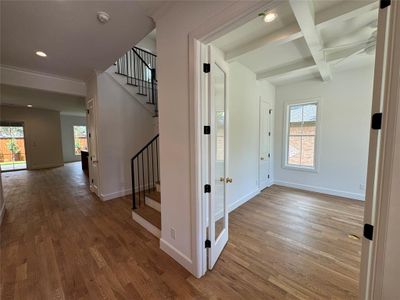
(146, 224)
(153, 204)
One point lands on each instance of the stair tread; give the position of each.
(150, 215)
(154, 195)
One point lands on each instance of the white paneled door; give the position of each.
(92, 137)
(265, 145)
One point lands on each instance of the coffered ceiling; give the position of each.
(314, 38)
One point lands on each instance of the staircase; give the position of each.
(146, 196)
(138, 66)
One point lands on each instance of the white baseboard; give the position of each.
(146, 224)
(182, 259)
(243, 200)
(237, 203)
(2, 212)
(110, 196)
(321, 190)
(46, 166)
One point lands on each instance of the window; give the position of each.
(301, 135)
(80, 139)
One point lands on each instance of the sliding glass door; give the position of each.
(12, 147)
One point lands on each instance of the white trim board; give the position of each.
(321, 190)
(146, 224)
(239, 202)
(182, 259)
(46, 166)
(243, 200)
(110, 196)
(2, 212)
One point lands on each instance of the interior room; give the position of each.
(41, 129)
(299, 95)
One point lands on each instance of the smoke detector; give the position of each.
(103, 17)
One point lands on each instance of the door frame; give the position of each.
(94, 189)
(236, 15)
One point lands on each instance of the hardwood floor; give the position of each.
(58, 241)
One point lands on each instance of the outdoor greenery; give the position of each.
(11, 131)
(13, 147)
(79, 137)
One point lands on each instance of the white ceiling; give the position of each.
(65, 104)
(291, 48)
(68, 31)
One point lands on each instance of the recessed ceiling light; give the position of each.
(29, 105)
(41, 54)
(268, 17)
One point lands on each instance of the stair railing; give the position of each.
(145, 171)
(139, 67)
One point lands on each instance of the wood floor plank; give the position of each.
(59, 241)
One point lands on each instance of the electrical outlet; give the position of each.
(362, 187)
(172, 231)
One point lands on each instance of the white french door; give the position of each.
(218, 208)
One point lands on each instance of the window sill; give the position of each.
(303, 169)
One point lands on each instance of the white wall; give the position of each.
(244, 120)
(148, 43)
(124, 126)
(67, 135)
(42, 135)
(344, 133)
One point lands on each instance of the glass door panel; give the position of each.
(219, 198)
(12, 147)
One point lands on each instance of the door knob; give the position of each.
(222, 179)
(262, 158)
(228, 180)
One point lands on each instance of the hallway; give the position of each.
(58, 241)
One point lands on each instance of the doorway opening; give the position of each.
(290, 126)
(12, 147)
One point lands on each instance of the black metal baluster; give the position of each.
(138, 169)
(144, 186)
(133, 184)
(152, 164)
(158, 171)
(148, 169)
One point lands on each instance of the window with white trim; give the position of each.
(301, 135)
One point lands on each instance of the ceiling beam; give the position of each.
(300, 67)
(282, 36)
(290, 68)
(343, 11)
(304, 13)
